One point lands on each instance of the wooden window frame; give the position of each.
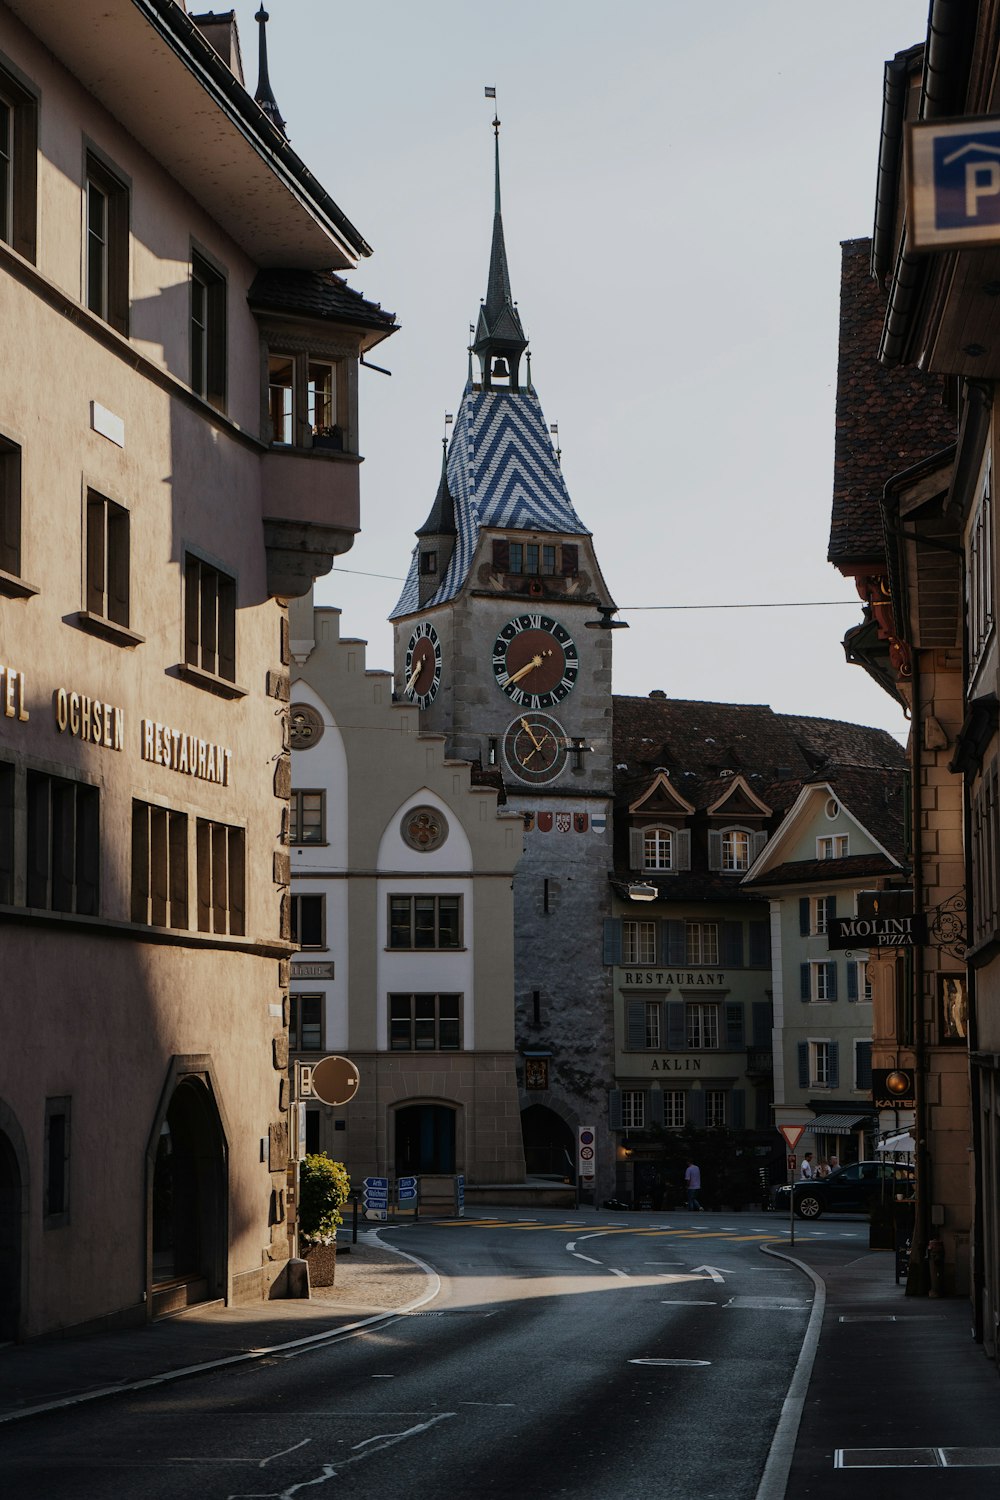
(702, 1018)
(638, 938)
(19, 175)
(107, 555)
(407, 1041)
(64, 845)
(633, 1109)
(220, 862)
(208, 331)
(159, 866)
(716, 1110)
(298, 897)
(106, 252)
(698, 937)
(674, 1109)
(210, 612)
(297, 1025)
(10, 507)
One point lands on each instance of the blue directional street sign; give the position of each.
(954, 183)
(406, 1189)
(376, 1197)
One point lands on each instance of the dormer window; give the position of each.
(658, 849)
(428, 562)
(732, 851)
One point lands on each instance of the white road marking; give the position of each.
(487, 1403)
(684, 1364)
(382, 1377)
(588, 1258)
(685, 1302)
(618, 1273)
(713, 1271)
(265, 1461)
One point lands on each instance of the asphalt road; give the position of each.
(591, 1355)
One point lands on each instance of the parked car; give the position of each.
(849, 1190)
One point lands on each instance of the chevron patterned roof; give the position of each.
(503, 472)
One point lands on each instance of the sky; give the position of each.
(676, 182)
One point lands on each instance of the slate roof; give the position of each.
(777, 754)
(887, 419)
(318, 294)
(502, 472)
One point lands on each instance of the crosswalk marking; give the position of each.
(639, 1232)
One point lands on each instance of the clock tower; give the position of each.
(503, 639)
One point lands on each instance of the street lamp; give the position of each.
(642, 891)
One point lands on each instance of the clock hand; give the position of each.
(413, 677)
(527, 729)
(529, 666)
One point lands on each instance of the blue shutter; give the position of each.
(732, 945)
(655, 1097)
(676, 1029)
(738, 1109)
(805, 978)
(612, 940)
(835, 1065)
(803, 1051)
(863, 1063)
(615, 1109)
(714, 849)
(760, 945)
(761, 1011)
(636, 849)
(682, 849)
(635, 1025)
(831, 980)
(803, 916)
(696, 1108)
(852, 980)
(734, 1024)
(673, 943)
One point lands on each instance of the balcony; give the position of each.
(310, 507)
(760, 1063)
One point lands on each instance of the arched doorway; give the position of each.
(425, 1139)
(549, 1144)
(11, 1218)
(188, 1208)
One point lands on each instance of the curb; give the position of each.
(288, 1350)
(774, 1480)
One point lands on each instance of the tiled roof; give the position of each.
(808, 871)
(317, 294)
(502, 472)
(887, 419)
(699, 743)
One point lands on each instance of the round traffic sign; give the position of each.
(587, 1137)
(586, 1153)
(335, 1080)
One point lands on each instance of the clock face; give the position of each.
(535, 748)
(422, 665)
(535, 661)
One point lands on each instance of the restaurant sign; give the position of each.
(884, 919)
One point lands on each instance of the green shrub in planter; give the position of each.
(323, 1187)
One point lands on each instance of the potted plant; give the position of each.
(323, 1187)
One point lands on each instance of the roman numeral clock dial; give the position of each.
(535, 661)
(422, 665)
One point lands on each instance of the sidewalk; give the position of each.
(898, 1391)
(371, 1281)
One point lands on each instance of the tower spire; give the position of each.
(264, 95)
(499, 340)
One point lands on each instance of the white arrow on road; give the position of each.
(713, 1271)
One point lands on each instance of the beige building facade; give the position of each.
(155, 230)
(402, 875)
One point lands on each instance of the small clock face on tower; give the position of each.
(422, 665)
(535, 661)
(534, 748)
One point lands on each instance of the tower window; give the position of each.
(428, 562)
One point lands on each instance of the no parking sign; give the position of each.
(586, 1146)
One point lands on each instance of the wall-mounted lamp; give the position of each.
(642, 891)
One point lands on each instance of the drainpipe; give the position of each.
(916, 1279)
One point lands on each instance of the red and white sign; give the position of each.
(586, 1140)
(792, 1134)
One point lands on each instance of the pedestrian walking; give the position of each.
(822, 1171)
(692, 1181)
(807, 1167)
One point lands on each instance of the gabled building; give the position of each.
(156, 234)
(842, 836)
(700, 787)
(502, 642)
(402, 867)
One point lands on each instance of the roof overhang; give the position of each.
(150, 67)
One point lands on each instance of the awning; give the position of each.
(837, 1124)
(903, 1144)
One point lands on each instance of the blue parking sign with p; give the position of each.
(954, 183)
